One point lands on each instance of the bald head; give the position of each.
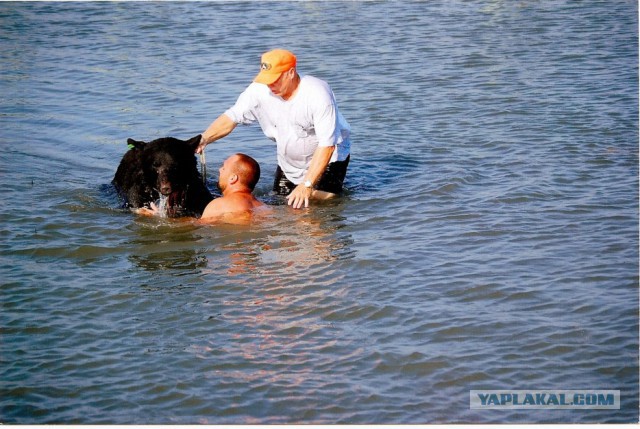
(247, 169)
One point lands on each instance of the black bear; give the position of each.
(163, 169)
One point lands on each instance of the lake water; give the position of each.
(488, 237)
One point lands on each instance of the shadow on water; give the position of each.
(156, 247)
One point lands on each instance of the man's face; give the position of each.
(284, 86)
(224, 173)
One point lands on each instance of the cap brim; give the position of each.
(267, 78)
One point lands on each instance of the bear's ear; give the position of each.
(134, 144)
(194, 142)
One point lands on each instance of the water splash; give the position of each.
(162, 206)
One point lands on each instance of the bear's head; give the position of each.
(169, 165)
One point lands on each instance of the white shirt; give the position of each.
(298, 126)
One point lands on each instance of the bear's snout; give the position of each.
(166, 180)
(165, 188)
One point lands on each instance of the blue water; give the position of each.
(487, 239)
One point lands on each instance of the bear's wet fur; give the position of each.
(164, 167)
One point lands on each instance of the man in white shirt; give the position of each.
(301, 115)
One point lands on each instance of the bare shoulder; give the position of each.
(233, 207)
(215, 208)
(259, 205)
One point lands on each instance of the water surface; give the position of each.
(488, 238)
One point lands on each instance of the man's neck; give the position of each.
(295, 85)
(238, 190)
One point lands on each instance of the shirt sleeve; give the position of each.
(326, 124)
(243, 112)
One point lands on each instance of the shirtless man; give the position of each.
(239, 175)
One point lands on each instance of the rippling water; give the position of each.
(488, 238)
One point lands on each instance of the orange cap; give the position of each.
(273, 64)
